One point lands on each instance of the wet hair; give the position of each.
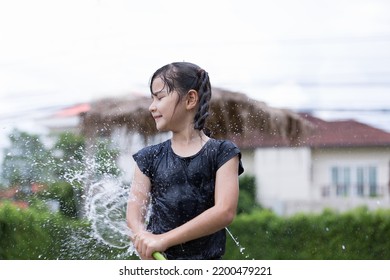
(182, 77)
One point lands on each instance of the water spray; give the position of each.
(105, 208)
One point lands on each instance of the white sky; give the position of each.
(294, 54)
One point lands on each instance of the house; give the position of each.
(66, 119)
(340, 165)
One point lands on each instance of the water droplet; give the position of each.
(236, 241)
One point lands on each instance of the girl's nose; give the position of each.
(152, 107)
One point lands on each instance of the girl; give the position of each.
(190, 181)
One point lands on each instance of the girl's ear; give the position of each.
(192, 99)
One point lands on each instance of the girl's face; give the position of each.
(164, 108)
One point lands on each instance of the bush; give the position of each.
(32, 234)
(357, 234)
(247, 196)
(26, 234)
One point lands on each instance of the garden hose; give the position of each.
(158, 256)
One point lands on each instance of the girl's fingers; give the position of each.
(145, 245)
(137, 245)
(141, 246)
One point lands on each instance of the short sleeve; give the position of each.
(227, 151)
(143, 159)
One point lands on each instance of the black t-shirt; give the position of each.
(182, 188)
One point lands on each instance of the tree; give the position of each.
(68, 153)
(62, 168)
(27, 160)
(105, 159)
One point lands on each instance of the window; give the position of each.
(341, 180)
(360, 181)
(372, 180)
(354, 181)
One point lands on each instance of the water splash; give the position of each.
(241, 248)
(104, 206)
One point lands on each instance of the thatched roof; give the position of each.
(129, 112)
(232, 116)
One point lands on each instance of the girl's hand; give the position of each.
(146, 243)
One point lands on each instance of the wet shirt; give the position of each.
(182, 188)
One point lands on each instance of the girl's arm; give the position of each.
(137, 203)
(210, 221)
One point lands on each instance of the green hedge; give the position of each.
(34, 233)
(27, 234)
(357, 234)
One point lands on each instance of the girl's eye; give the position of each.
(160, 96)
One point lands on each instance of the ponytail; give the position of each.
(204, 92)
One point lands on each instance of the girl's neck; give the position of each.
(187, 144)
(188, 137)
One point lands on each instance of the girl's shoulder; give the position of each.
(225, 150)
(222, 144)
(154, 149)
(159, 146)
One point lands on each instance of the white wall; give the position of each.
(247, 158)
(282, 174)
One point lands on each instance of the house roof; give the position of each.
(344, 133)
(75, 110)
(324, 134)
